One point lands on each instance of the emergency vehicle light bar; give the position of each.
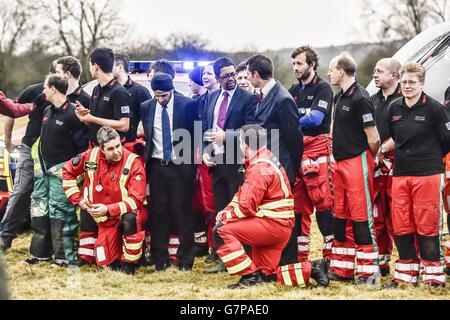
(143, 66)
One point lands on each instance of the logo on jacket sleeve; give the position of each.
(90, 166)
(323, 104)
(448, 125)
(76, 160)
(367, 117)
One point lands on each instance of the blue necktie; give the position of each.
(167, 140)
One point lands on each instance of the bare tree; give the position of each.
(15, 22)
(440, 8)
(403, 19)
(150, 49)
(186, 46)
(79, 26)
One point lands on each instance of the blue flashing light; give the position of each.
(188, 65)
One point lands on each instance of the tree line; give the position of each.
(32, 34)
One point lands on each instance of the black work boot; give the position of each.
(114, 266)
(128, 268)
(319, 272)
(5, 243)
(447, 271)
(385, 271)
(219, 267)
(248, 280)
(212, 257)
(390, 285)
(33, 260)
(334, 277)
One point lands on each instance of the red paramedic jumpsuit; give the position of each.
(121, 186)
(260, 215)
(314, 190)
(446, 193)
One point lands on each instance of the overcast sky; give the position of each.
(243, 24)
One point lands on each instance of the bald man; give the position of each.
(386, 77)
(355, 144)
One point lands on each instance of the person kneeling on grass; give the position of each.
(112, 203)
(261, 215)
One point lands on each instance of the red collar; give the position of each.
(111, 83)
(315, 79)
(350, 91)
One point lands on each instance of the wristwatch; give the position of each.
(383, 150)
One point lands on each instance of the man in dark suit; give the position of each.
(226, 111)
(168, 123)
(277, 112)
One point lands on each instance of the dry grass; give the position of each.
(44, 282)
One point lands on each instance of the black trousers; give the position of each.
(171, 188)
(289, 254)
(225, 184)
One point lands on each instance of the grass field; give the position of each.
(44, 282)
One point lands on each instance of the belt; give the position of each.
(162, 162)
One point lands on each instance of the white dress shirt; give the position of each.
(158, 151)
(265, 91)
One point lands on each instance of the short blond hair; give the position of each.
(414, 68)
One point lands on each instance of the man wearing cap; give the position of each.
(168, 121)
(196, 82)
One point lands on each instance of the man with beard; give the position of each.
(226, 110)
(313, 188)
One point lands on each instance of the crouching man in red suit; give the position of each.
(261, 215)
(112, 212)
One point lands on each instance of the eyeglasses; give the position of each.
(228, 75)
(411, 83)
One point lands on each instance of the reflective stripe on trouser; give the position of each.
(294, 275)
(313, 192)
(383, 219)
(417, 209)
(353, 191)
(433, 271)
(148, 243)
(447, 254)
(326, 246)
(266, 237)
(174, 244)
(132, 247)
(86, 250)
(342, 260)
(49, 204)
(303, 245)
(407, 271)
